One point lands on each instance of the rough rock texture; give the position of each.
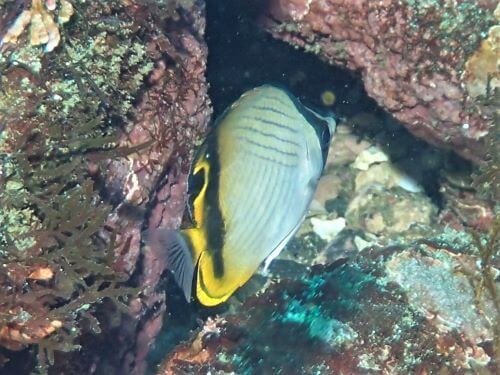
(397, 310)
(394, 292)
(130, 75)
(174, 110)
(417, 59)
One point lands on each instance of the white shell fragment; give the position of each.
(361, 243)
(327, 230)
(368, 157)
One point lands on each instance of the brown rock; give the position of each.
(410, 55)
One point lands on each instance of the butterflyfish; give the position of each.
(249, 189)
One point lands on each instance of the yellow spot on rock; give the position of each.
(43, 27)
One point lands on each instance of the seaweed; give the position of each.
(488, 253)
(48, 180)
(487, 179)
(61, 112)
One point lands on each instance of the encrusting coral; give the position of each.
(423, 61)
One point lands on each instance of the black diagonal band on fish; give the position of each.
(250, 186)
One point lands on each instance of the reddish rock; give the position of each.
(394, 310)
(411, 56)
(142, 75)
(173, 113)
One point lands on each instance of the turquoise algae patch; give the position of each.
(319, 326)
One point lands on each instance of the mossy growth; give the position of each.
(59, 111)
(487, 180)
(101, 56)
(455, 25)
(489, 252)
(53, 218)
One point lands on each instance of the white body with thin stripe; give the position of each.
(271, 160)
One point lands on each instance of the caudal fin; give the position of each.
(179, 258)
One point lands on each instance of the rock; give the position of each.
(379, 210)
(383, 311)
(326, 229)
(126, 74)
(361, 243)
(448, 302)
(345, 147)
(411, 56)
(482, 74)
(329, 187)
(368, 157)
(386, 174)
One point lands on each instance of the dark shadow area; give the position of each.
(181, 318)
(242, 56)
(17, 362)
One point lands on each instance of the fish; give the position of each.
(249, 189)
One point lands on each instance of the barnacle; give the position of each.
(43, 27)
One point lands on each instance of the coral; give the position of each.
(481, 74)
(411, 56)
(43, 28)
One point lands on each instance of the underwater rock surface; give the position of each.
(400, 309)
(394, 310)
(432, 64)
(98, 122)
(374, 282)
(97, 132)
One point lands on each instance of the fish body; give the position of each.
(250, 186)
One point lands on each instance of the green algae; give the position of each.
(60, 110)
